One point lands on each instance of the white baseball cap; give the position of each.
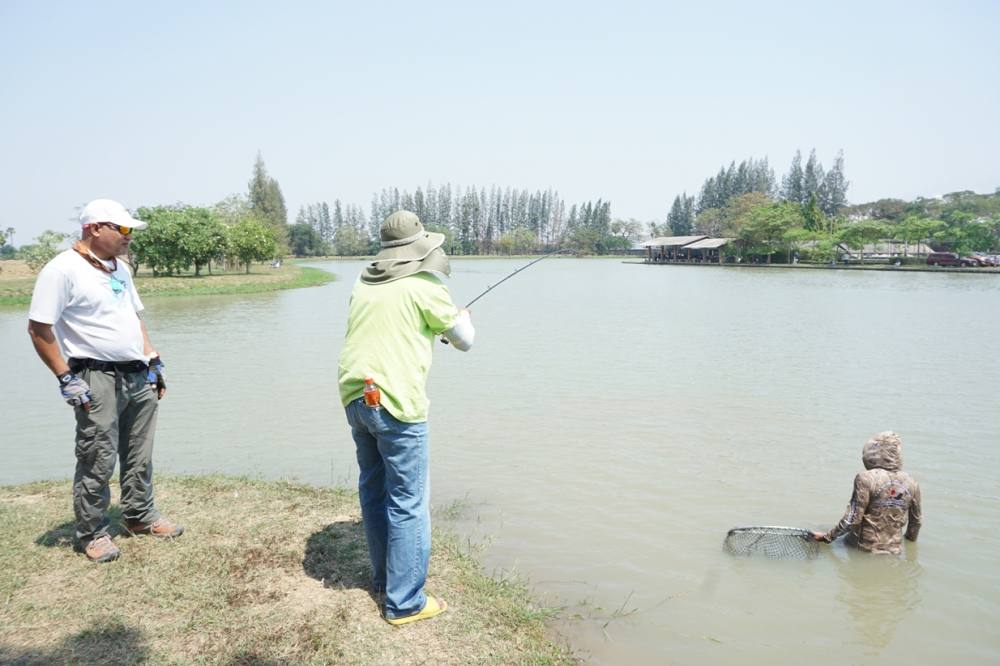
(106, 210)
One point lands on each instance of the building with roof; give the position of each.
(686, 249)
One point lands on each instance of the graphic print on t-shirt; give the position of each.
(117, 287)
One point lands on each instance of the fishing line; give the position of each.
(494, 286)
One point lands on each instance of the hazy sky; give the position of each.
(152, 103)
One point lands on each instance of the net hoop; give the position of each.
(772, 541)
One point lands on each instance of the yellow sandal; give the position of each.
(434, 606)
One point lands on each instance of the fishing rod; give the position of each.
(494, 286)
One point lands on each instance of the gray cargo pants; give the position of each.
(121, 424)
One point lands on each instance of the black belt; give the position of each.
(120, 368)
(77, 364)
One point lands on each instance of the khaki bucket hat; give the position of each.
(406, 249)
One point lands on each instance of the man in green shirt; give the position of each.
(398, 305)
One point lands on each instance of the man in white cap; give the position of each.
(84, 324)
(398, 306)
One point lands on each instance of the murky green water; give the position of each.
(612, 423)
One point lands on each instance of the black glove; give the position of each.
(75, 391)
(155, 375)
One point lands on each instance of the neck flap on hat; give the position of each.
(379, 272)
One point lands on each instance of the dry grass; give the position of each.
(16, 282)
(15, 269)
(267, 573)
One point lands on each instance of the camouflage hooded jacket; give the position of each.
(885, 500)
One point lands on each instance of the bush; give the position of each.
(45, 248)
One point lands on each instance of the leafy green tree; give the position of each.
(202, 237)
(812, 216)
(519, 241)
(250, 240)
(735, 214)
(978, 236)
(304, 240)
(584, 240)
(161, 246)
(451, 244)
(232, 209)
(859, 234)
(626, 231)
(883, 209)
(767, 227)
(43, 250)
(350, 242)
(825, 248)
(915, 229)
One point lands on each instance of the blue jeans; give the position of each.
(394, 487)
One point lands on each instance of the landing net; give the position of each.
(790, 543)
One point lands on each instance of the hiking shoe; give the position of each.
(161, 528)
(101, 549)
(431, 608)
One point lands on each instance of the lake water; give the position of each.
(612, 423)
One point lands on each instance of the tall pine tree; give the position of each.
(812, 179)
(792, 184)
(268, 204)
(835, 187)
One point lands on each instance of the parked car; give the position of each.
(950, 259)
(985, 259)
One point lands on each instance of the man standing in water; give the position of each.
(398, 305)
(84, 324)
(885, 500)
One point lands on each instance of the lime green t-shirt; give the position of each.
(390, 337)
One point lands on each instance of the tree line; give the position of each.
(808, 212)
(809, 187)
(474, 220)
(236, 231)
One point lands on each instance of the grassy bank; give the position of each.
(267, 573)
(16, 282)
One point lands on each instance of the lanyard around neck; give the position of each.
(93, 259)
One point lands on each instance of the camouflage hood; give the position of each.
(883, 451)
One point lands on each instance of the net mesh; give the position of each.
(774, 542)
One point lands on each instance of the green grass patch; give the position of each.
(267, 573)
(16, 292)
(271, 279)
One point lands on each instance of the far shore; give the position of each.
(873, 266)
(268, 572)
(17, 281)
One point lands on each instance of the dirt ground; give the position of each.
(267, 573)
(14, 269)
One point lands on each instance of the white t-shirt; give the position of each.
(94, 314)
